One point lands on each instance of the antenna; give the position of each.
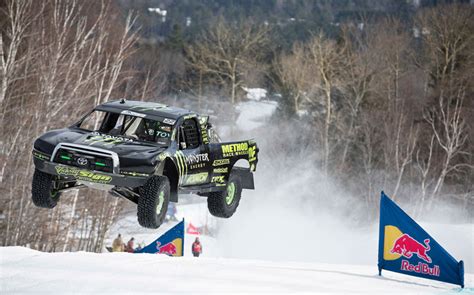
(122, 100)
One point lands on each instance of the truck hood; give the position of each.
(133, 154)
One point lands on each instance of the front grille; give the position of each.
(86, 157)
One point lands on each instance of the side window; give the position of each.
(189, 135)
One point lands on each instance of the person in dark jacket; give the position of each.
(196, 248)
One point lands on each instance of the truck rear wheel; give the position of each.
(43, 193)
(153, 202)
(224, 204)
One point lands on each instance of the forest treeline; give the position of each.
(386, 100)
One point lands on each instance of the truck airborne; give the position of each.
(147, 153)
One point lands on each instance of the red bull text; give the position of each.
(421, 268)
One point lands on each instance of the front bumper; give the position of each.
(43, 163)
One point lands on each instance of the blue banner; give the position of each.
(404, 247)
(170, 243)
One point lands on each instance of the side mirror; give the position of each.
(203, 120)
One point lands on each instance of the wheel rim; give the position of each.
(54, 194)
(230, 193)
(161, 200)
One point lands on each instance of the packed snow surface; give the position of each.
(27, 271)
(254, 114)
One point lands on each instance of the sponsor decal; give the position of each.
(235, 149)
(196, 178)
(41, 156)
(401, 245)
(159, 134)
(407, 246)
(186, 162)
(106, 139)
(83, 174)
(221, 170)
(130, 113)
(194, 159)
(149, 106)
(189, 116)
(203, 124)
(221, 162)
(168, 249)
(169, 121)
(218, 179)
(421, 268)
(252, 153)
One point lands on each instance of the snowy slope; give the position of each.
(27, 271)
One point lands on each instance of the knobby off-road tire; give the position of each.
(153, 202)
(224, 204)
(42, 190)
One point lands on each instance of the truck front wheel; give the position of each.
(43, 193)
(153, 202)
(224, 204)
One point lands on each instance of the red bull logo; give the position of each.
(168, 249)
(398, 244)
(407, 246)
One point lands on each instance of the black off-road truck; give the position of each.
(146, 153)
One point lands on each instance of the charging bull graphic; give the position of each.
(407, 246)
(168, 249)
(170, 243)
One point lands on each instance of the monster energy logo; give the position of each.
(182, 165)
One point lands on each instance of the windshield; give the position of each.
(128, 126)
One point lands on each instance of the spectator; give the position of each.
(130, 245)
(117, 245)
(171, 212)
(196, 248)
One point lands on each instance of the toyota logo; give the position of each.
(82, 161)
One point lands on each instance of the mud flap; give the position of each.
(246, 177)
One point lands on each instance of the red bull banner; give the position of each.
(192, 230)
(170, 243)
(405, 247)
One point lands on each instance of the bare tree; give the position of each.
(295, 75)
(69, 60)
(448, 43)
(19, 20)
(327, 60)
(227, 51)
(449, 130)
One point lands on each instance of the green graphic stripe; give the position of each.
(182, 161)
(178, 162)
(185, 164)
